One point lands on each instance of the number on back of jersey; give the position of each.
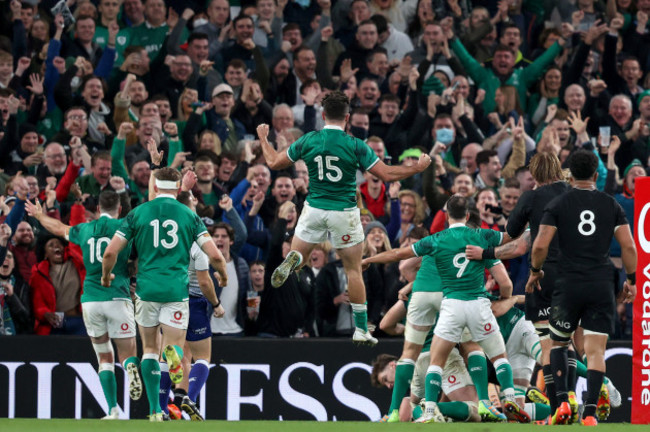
(587, 225)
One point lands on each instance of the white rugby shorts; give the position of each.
(173, 314)
(344, 226)
(476, 315)
(114, 317)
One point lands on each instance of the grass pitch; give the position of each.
(66, 425)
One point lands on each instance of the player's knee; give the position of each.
(414, 335)
(104, 352)
(493, 346)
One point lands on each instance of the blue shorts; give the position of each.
(200, 314)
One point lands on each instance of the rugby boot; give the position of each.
(589, 421)
(174, 363)
(562, 414)
(573, 403)
(431, 414)
(514, 412)
(135, 383)
(361, 337)
(489, 413)
(190, 408)
(535, 395)
(281, 274)
(113, 415)
(602, 407)
(174, 412)
(615, 399)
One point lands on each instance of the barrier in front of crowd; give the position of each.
(250, 379)
(641, 320)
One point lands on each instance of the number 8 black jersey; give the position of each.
(585, 222)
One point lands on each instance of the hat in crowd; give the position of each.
(374, 224)
(634, 163)
(412, 152)
(24, 129)
(10, 199)
(642, 95)
(366, 212)
(222, 88)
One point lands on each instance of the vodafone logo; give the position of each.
(488, 327)
(452, 379)
(345, 238)
(640, 229)
(178, 315)
(124, 326)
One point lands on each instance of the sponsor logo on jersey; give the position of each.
(544, 312)
(563, 324)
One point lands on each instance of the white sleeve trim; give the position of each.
(201, 240)
(414, 251)
(120, 234)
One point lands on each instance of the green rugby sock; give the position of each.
(541, 411)
(109, 385)
(151, 377)
(360, 313)
(432, 383)
(455, 410)
(478, 370)
(504, 375)
(403, 375)
(133, 360)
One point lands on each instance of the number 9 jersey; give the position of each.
(93, 237)
(162, 231)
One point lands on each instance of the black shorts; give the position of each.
(538, 303)
(589, 304)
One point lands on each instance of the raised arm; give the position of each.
(390, 256)
(274, 159)
(500, 275)
(391, 173)
(54, 226)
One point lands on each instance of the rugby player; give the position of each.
(163, 231)
(332, 159)
(107, 313)
(585, 220)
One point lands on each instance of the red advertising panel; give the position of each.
(641, 323)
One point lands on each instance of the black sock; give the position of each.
(559, 365)
(594, 383)
(178, 397)
(571, 374)
(551, 392)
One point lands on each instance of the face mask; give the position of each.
(359, 132)
(199, 22)
(445, 136)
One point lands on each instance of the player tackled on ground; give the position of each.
(107, 313)
(332, 159)
(585, 220)
(163, 231)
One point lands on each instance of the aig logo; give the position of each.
(563, 324)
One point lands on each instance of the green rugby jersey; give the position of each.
(461, 278)
(93, 237)
(508, 320)
(162, 231)
(122, 41)
(332, 158)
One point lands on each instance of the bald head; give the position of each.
(469, 155)
(55, 158)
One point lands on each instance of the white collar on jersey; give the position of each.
(106, 215)
(456, 225)
(164, 195)
(333, 127)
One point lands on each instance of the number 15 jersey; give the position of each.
(332, 158)
(162, 231)
(585, 222)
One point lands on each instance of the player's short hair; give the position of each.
(417, 233)
(545, 168)
(184, 198)
(474, 219)
(483, 157)
(378, 365)
(224, 226)
(101, 154)
(336, 105)
(583, 164)
(167, 173)
(109, 201)
(457, 207)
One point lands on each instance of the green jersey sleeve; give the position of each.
(74, 234)
(126, 229)
(367, 156)
(294, 152)
(492, 237)
(425, 246)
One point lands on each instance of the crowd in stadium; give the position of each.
(481, 86)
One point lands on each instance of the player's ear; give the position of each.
(595, 176)
(347, 118)
(323, 115)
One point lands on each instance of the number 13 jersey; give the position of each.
(162, 231)
(585, 222)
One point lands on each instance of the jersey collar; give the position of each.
(457, 225)
(106, 215)
(333, 127)
(164, 195)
